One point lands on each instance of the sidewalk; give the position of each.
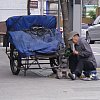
(36, 86)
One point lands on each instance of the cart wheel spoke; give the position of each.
(15, 61)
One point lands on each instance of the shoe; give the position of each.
(72, 76)
(86, 79)
(94, 77)
(86, 73)
(91, 78)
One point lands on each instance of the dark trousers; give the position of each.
(77, 65)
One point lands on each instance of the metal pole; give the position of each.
(28, 7)
(47, 8)
(77, 20)
(99, 3)
(42, 5)
(58, 14)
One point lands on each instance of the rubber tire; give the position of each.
(89, 39)
(15, 68)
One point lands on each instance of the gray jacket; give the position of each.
(85, 51)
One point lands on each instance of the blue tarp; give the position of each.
(18, 23)
(29, 45)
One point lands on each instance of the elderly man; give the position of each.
(82, 58)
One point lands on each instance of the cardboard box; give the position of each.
(3, 28)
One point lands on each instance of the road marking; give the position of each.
(98, 69)
(96, 47)
(96, 53)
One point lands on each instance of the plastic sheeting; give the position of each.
(18, 23)
(29, 45)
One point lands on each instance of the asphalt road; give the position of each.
(38, 86)
(96, 51)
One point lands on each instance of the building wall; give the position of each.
(90, 2)
(41, 8)
(10, 8)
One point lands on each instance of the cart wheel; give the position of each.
(15, 61)
(53, 63)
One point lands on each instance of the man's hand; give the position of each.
(75, 52)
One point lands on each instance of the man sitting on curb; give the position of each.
(81, 59)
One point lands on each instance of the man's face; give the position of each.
(75, 39)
